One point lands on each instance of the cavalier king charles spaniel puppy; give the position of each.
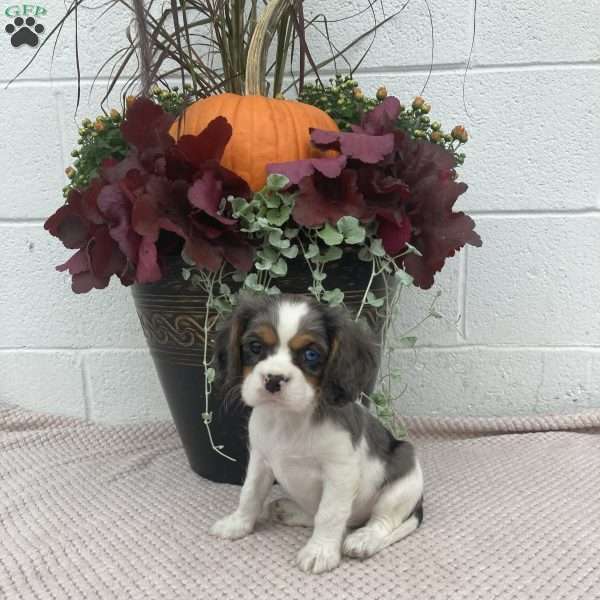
(302, 368)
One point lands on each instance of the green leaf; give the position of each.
(351, 229)
(374, 301)
(365, 254)
(238, 204)
(377, 247)
(268, 253)
(275, 239)
(251, 282)
(330, 236)
(331, 254)
(279, 269)
(186, 273)
(403, 277)
(224, 289)
(290, 232)
(238, 276)
(290, 252)
(273, 290)
(333, 297)
(272, 200)
(412, 250)
(408, 341)
(278, 216)
(319, 276)
(313, 250)
(277, 182)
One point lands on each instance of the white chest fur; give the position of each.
(301, 452)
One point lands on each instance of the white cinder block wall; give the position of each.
(528, 338)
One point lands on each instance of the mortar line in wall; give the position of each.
(59, 118)
(493, 214)
(87, 386)
(448, 68)
(18, 222)
(529, 213)
(447, 348)
(462, 293)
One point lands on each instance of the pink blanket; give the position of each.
(512, 511)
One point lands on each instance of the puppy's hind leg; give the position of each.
(397, 513)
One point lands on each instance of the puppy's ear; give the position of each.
(227, 351)
(353, 359)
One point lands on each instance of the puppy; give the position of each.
(302, 366)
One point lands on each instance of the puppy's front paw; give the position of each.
(316, 557)
(232, 527)
(362, 543)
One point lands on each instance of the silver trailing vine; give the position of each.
(266, 219)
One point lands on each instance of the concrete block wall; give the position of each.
(521, 332)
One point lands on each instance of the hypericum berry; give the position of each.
(418, 102)
(75, 152)
(98, 125)
(436, 126)
(419, 133)
(130, 100)
(447, 137)
(115, 115)
(426, 107)
(460, 133)
(358, 94)
(381, 93)
(437, 137)
(425, 120)
(86, 123)
(70, 172)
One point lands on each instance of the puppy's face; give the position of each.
(284, 351)
(293, 353)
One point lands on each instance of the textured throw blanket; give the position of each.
(512, 511)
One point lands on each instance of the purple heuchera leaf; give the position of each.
(147, 126)
(115, 223)
(407, 187)
(296, 170)
(381, 119)
(366, 148)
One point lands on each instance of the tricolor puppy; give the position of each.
(302, 367)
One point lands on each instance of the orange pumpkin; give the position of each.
(265, 130)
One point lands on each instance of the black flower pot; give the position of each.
(172, 313)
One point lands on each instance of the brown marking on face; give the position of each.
(313, 380)
(267, 334)
(246, 371)
(301, 340)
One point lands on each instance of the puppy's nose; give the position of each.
(273, 382)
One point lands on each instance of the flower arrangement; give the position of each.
(375, 182)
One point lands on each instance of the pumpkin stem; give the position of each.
(256, 62)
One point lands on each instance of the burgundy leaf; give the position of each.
(69, 226)
(207, 195)
(395, 231)
(209, 144)
(381, 119)
(78, 263)
(296, 170)
(366, 148)
(146, 125)
(148, 269)
(86, 281)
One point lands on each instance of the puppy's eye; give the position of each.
(311, 356)
(255, 347)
